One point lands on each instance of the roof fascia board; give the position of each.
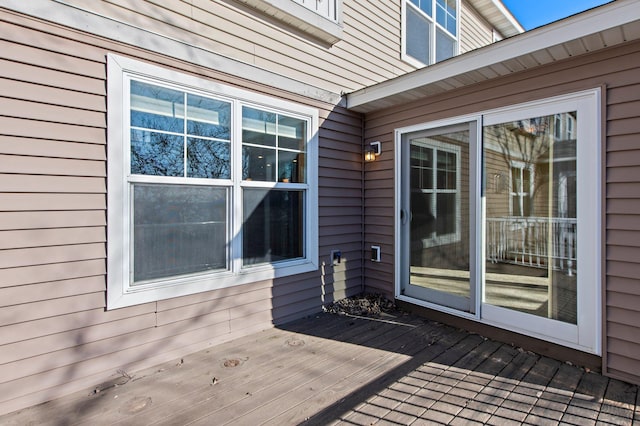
(587, 23)
(508, 16)
(508, 20)
(59, 12)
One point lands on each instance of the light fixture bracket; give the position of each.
(373, 150)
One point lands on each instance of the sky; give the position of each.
(535, 13)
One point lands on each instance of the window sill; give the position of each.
(300, 18)
(188, 285)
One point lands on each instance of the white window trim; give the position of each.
(522, 191)
(119, 291)
(304, 18)
(454, 236)
(432, 36)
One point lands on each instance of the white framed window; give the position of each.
(325, 8)
(522, 184)
(321, 19)
(564, 127)
(430, 30)
(435, 181)
(209, 186)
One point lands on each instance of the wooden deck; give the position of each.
(336, 369)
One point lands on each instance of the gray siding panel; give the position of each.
(476, 31)
(369, 52)
(618, 70)
(55, 335)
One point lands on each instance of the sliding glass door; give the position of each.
(437, 202)
(531, 224)
(500, 222)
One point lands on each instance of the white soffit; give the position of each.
(499, 16)
(614, 23)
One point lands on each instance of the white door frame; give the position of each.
(586, 335)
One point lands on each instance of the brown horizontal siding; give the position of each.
(623, 255)
(55, 335)
(50, 219)
(37, 74)
(624, 238)
(46, 309)
(133, 351)
(45, 183)
(12, 145)
(52, 166)
(52, 113)
(51, 95)
(37, 328)
(475, 31)
(13, 258)
(47, 202)
(618, 70)
(39, 56)
(40, 347)
(13, 126)
(51, 272)
(50, 290)
(51, 237)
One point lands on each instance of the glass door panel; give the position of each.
(436, 208)
(530, 220)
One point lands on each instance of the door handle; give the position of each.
(404, 216)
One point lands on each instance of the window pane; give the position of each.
(446, 15)
(208, 117)
(258, 127)
(445, 46)
(416, 156)
(441, 13)
(155, 107)
(515, 199)
(422, 218)
(446, 214)
(208, 159)
(446, 170)
(292, 133)
(424, 5)
(427, 178)
(291, 167)
(438, 234)
(273, 225)
(258, 164)
(415, 177)
(418, 40)
(526, 180)
(515, 179)
(156, 154)
(531, 253)
(178, 230)
(451, 24)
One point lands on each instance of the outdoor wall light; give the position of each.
(373, 150)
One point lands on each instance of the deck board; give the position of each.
(345, 370)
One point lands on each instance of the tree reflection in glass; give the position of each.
(160, 133)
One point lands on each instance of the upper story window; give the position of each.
(321, 19)
(209, 186)
(430, 30)
(325, 8)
